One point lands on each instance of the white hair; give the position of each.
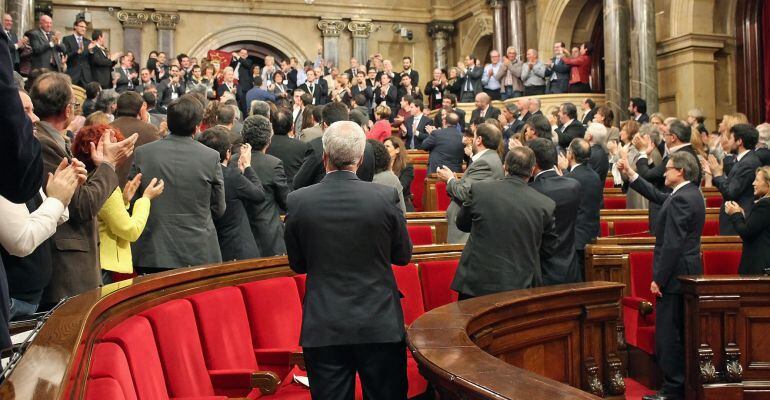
(344, 143)
(598, 133)
(764, 134)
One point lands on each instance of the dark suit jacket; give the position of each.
(20, 158)
(591, 201)
(414, 75)
(312, 170)
(42, 51)
(101, 68)
(566, 133)
(764, 156)
(599, 161)
(351, 295)
(474, 77)
(562, 71)
(460, 113)
(236, 241)
(678, 235)
(12, 50)
(446, 149)
(245, 80)
(737, 186)
(754, 229)
(643, 119)
(291, 152)
(390, 99)
(122, 84)
(147, 134)
(78, 65)
(421, 133)
(166, 92)
(492, 112)
(562, 267)
(406, 177)
(319, 94)
(507, 209)
(589, 116)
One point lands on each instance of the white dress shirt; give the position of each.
(21, 232)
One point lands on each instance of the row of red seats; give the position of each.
(639, 307)
(208, 345)
(619, 202)
(641, 228)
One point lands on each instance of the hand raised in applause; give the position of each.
(732, 207)
(244, 160)
(111, 151)
(153, 189)
(444, 173)
(63, 182)
(514, 143)
(717, 166)
(130, 189)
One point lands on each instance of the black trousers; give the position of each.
(580, 88)
(493, 94)
(463, 296)
(669, 342)
(534, 90)
(381, 367)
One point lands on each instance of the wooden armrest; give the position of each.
(297, 358)
(266, 381)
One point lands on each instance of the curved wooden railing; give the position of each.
(541, 343)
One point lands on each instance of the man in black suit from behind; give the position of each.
(562, 267)
(417, 125)
(677, 252)
(292, 152)
(737, 185)
(445, 147)
(596, 135)
(522, 217)
(570, 128)
(345, 234)
(638, 110)
(591, 198)
(484, 108)
(77, 48)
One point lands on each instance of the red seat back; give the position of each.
(436, 278)
(614, 202)
(224, 328)
(275, 312)
(641, 274)
(632, 228)
(711, 228)
(136, 339)
(714, 201)
(604, 229)
(180, 349)
(721, 262)
(442, 198)
(418, 188)
(104, 388)
(420, 234)
(109, 361)
(300, 281)
(408, 281)
(609, 183)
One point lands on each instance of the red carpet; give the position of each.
(635, 390)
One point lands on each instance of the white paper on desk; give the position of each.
(302, 380)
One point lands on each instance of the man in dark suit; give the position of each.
(101, 60)
(349, 278)
(417, 125)
(130, 117)
(128, 77)
(471, 80)
(180, 233)
(242, 65)
(570, 127)
(507, 209)
(591, 198)
(485, 165)
(638, 110)
(408, 71)
(557, 72)
(677, 252)
(20, 158)
(484, 108)
(677, 139)
(737, 185)
(596, 135)
(242, 186)
(292, 152)
(314, 88)
(170, 90)
(451, 101)
(78, 56)
(589, 110)
(46, 45)
(445, 146)
(12, 41)
(387, 93)
(563, 266)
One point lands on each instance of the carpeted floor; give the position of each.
(635, 390)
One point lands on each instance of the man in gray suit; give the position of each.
(180, 230)
(485, 165)
(46, 45)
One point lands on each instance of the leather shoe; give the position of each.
(659, 396)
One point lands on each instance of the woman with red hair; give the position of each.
(117, 228)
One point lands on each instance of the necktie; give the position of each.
(468, 80)
(130, 84)
(414, 130)
(48, 36)
(80, 42)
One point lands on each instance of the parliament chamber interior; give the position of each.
(234, 329)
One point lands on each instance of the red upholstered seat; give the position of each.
(714, 201)
(640, 329)
(104, 388)
(420, 234)
(711, 228)
(436, 277)
(632, 228)
(418, 188)
(301, 281)
(614, 202)
(110, 366)
(604, 229)
(442, 198)
(408, 281)
(609, 183)
(721, 262)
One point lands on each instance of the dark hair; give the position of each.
(401, 160)
(682, 131)
(51, 94)
(590, 103)
(334, 112)
(640, 104)
(407, 58)
(92, 90)
(181, 56)
(581, 149)
(420, 105)
(545, 153)
(307, 99)
(490, 135)
(381, 155)
(570, 110)
(279, 73)
(540, 125)
(452, 98)
(150, 99)
(225, 114)
(408, 98)
(747, 133)
(317, 113)
(217, 138)
(589, 47)
(257, 131)
(257, 81)
(281, 120)
(129, 104)
(609, 116)
(78, 21)
(360, 100)
(519, 162)
(96, 34)
(183, 116)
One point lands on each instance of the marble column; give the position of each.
(616, 56)
(22, 12)
(166, 24)
(517, 26)
(132, 21)
(330, 30)
(644, 81)
(440, 31)
(499, 26)
(360, 30)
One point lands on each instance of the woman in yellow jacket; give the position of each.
(117, 228)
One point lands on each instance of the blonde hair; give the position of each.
(97, 118)
(382, 111)
(733, 119)
(764, 172)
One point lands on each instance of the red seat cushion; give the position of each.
(136, 339)
(714, 201)
(604, 229)
(180, 348)
(721, 262)
(639, 329)
(711, 228)
(633, 228)
(275, 312)
(420, 234)
(614, 202)
(609, 183)
(417, 383)
(109, 361)
(436, 278)
(300, 280)
(418, 188)
(104, 388)
(408, 281)
(442, 198)
(646, 339)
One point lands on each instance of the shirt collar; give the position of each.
(740, 155)
(542, 172)
(478, 155)
(677, 148)
(576, 165)
(679, 186)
